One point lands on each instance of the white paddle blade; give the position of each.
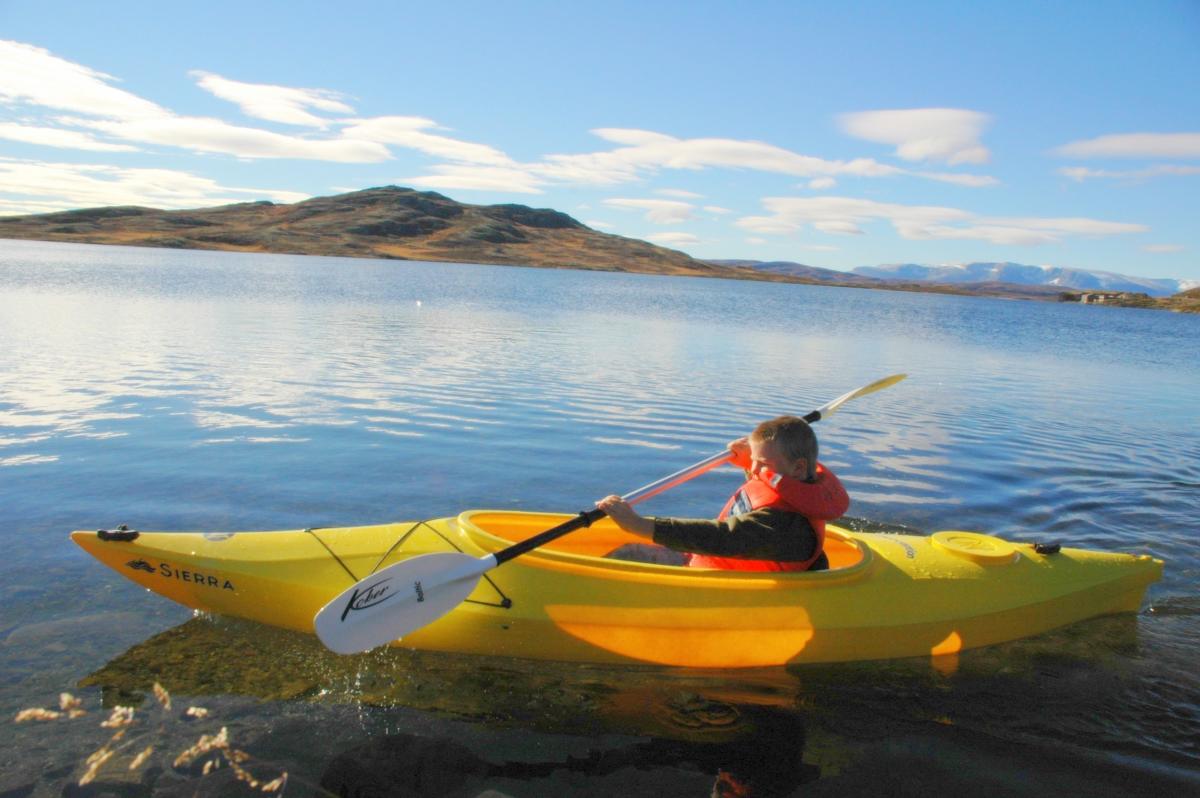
(878, 385)
(400, 599)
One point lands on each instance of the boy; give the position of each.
(773, 522)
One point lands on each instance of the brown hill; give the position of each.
(387, 222)
(1185, 301)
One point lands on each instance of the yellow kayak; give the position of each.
(883, 596)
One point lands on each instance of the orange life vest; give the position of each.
(819, 501)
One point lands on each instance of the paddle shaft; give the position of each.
(588, 517)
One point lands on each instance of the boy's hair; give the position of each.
(795, 439)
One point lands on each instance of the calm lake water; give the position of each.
(217, 391)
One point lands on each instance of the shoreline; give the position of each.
(1010, 291)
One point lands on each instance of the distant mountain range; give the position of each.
(1021, 274)
(396, 222)
(808, 273)
(982, 277)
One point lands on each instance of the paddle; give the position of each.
(415, 592)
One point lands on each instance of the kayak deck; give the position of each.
(884, 596)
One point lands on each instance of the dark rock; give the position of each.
(233, 239)
(531, 217)
(170, 242)
(90, 214)
(399, 228)
(493, 233)
(188, 221)
(441, 208)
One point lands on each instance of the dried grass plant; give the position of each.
(130, 733)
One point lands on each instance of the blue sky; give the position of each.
(834, 134)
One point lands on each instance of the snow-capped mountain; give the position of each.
(1022, 274)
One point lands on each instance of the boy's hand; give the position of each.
(740, 449)
(625, 516)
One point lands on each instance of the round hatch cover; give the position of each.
(976, 547)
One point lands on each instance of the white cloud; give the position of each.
(205, 134)
(674, 239)
(467, 177)
(649, 151)
(844, 215)
(1163, 248)
(57, 137)
(717, 209)
(756, 240)
(843, 227)
(947, 135)
(595, 225)
(849, 216)
(657, 211)
(22, 207)
(594, 169)
(1072, 225)
(769, 225)
(275, 103)
(408, 131)
(633, 138)
(38, 187)
(678, 193)
(970, 181)
(1135, 145)
(1081, 173)
(32, 75)
(667, 151)
(36, 77)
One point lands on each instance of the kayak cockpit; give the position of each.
(495, 530)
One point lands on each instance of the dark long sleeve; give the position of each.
(763, 534)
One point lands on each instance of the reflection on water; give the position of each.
(1079, 690)
(222, 392)
(761, 758)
